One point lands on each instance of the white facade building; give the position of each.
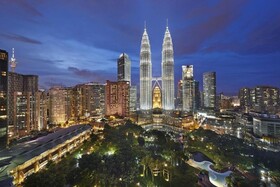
(167, 66)
(145, 73)
(266, 127)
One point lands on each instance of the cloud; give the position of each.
(262, 39)
(20, 38)
(219, 17)
(27, 7)
(90, 75)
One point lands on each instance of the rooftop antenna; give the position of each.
(13, 62)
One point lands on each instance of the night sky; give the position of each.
(67, 42)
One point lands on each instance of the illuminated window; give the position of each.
(4, 73)
(2, 94)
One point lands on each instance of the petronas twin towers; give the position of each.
(167, 69)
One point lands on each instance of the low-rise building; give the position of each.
(26, 158)
(266, 127)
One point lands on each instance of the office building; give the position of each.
(124, 68)
(22, 110)
(145, 73)
(133, 98)
(209, 90)
(188, 88)
(3, 98)
(167, 70)
(196, 94)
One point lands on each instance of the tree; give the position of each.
(141, 141)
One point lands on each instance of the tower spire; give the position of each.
(167, 23)
(145, 27)
(13, 56)
(13, 62)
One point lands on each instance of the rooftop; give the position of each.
(20, 153)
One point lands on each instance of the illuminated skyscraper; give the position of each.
(209, 89)
(167, 67)
(3, 97)
(145, 73)
(124, 70)
(188, 88)
(22, 111)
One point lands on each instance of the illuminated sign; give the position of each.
(3, 56)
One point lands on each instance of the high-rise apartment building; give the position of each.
(60, 105)
(124, 68)
(117, 97)
(3, 98)
(245, 99)
(209, 90)
(98, 99)
(260, 99)
(167, 66)
(91, 99)
(145, 73)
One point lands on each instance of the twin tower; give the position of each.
(167, 71)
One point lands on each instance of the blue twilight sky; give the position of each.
(75, 41)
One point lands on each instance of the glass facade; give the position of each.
(209, 89)
(188, 88)
(124, 69)
(3, 98)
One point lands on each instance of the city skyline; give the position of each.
(83, 45)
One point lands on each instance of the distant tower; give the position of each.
(167, 67)
(145, 73)
(13, 62)
(209, 89)
(124, 70)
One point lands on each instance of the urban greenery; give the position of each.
(129, 156)
(122, 156)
